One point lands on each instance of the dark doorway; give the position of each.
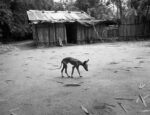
(71, 31)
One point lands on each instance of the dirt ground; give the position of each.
(118, 75)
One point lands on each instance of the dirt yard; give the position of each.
(117, 83)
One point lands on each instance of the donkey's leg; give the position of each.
(66, 70)
(62, 70)
(72, 71)
(78, 71)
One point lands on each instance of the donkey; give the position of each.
(75, 62)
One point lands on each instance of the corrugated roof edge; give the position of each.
(33, 15)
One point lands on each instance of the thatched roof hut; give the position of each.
(53, 27)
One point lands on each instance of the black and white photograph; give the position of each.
(74, 57)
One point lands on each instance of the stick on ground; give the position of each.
(143, 101)
(84, 109)
(145, 111)
(120, 104)
(137, 100)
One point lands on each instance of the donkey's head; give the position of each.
(85, 65)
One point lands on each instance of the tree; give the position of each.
(85, 4)
(102, 12)
(82, 4)
(118, 3)
(93, 3)
(39, 4)
(71, 7)
(13, 14)
(58, 6)
(6, 19)
(5, 13)
(142, 6)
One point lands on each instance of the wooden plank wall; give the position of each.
(52, 37)
(49, 34)
(60, 30)
(80, 34)
(42, 32)
(89, 34)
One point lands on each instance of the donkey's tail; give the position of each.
(60, 66)
(57, 68)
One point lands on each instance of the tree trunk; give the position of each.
(120, 10)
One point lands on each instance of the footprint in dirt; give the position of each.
(141, 61)
(113, 63)
(137, 67)
(28, 77)
(139, 58)
(30, 58)
(104, 109)
(25, 64)
(9, 81)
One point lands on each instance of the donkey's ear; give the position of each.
(86, 61)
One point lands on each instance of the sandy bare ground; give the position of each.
(30, 86)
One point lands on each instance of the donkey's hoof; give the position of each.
(62, 76)
(69, 76)
(81, 76)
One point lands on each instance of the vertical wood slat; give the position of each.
(48, 34)
(131, 31)
(60, 32)
(35, 34)
(52, 34)
(135, 28)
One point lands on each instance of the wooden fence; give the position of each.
(134, 31)
(110, 33)
(127, 32)
(1, 35)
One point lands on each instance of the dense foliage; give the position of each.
(13, 14)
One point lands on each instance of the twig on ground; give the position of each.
(85, 110)
(145, 111)
(124, 99)
(120, 104)
(137, 100)
(143, 101)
